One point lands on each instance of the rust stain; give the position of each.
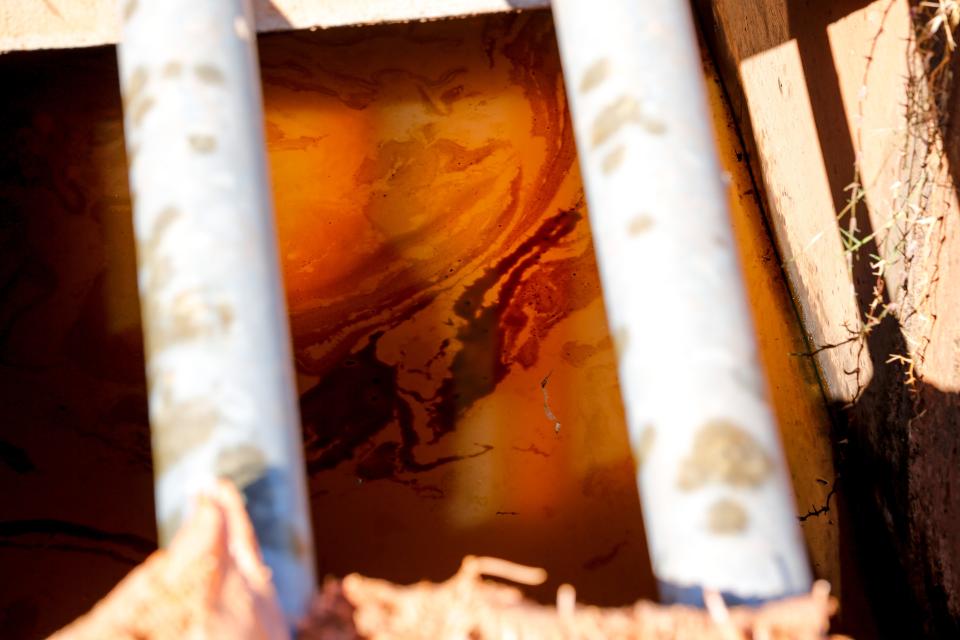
(724, 453)
(612, 161)
(209, 74)
(188, 317)
(640, 224)
(134, 86)
(172, 69)
(191, 316)
(244, 464)
(644, 445)
(202, 143)
(157, 271)
(225, 316)
(625, 110)
(149, 249)
(656, 127)
(595, 75)
(131, 158)
(179, 427)
(621, 340)
(141, 109)
(727, 516)
(129, 8)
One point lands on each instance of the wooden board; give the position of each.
(819, 88)
(62, 24)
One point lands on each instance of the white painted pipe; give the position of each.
(219, 366)
(717, 501)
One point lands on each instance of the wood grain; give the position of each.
(820, 90)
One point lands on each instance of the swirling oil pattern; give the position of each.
(458, 385)
(457, 377)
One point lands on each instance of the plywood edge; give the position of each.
(822, 93)
(63, 24)
(767, 91)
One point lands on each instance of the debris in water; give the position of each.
(546, 404)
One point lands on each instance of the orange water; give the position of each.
(457, 377)
(441, 280)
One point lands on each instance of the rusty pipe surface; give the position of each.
(219, 366)
(717, 500)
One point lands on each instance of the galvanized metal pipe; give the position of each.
(716, 496)
(219, 366)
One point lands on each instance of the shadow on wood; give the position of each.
(897, 445)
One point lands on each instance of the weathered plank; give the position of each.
(831, 96)
(62, 24)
